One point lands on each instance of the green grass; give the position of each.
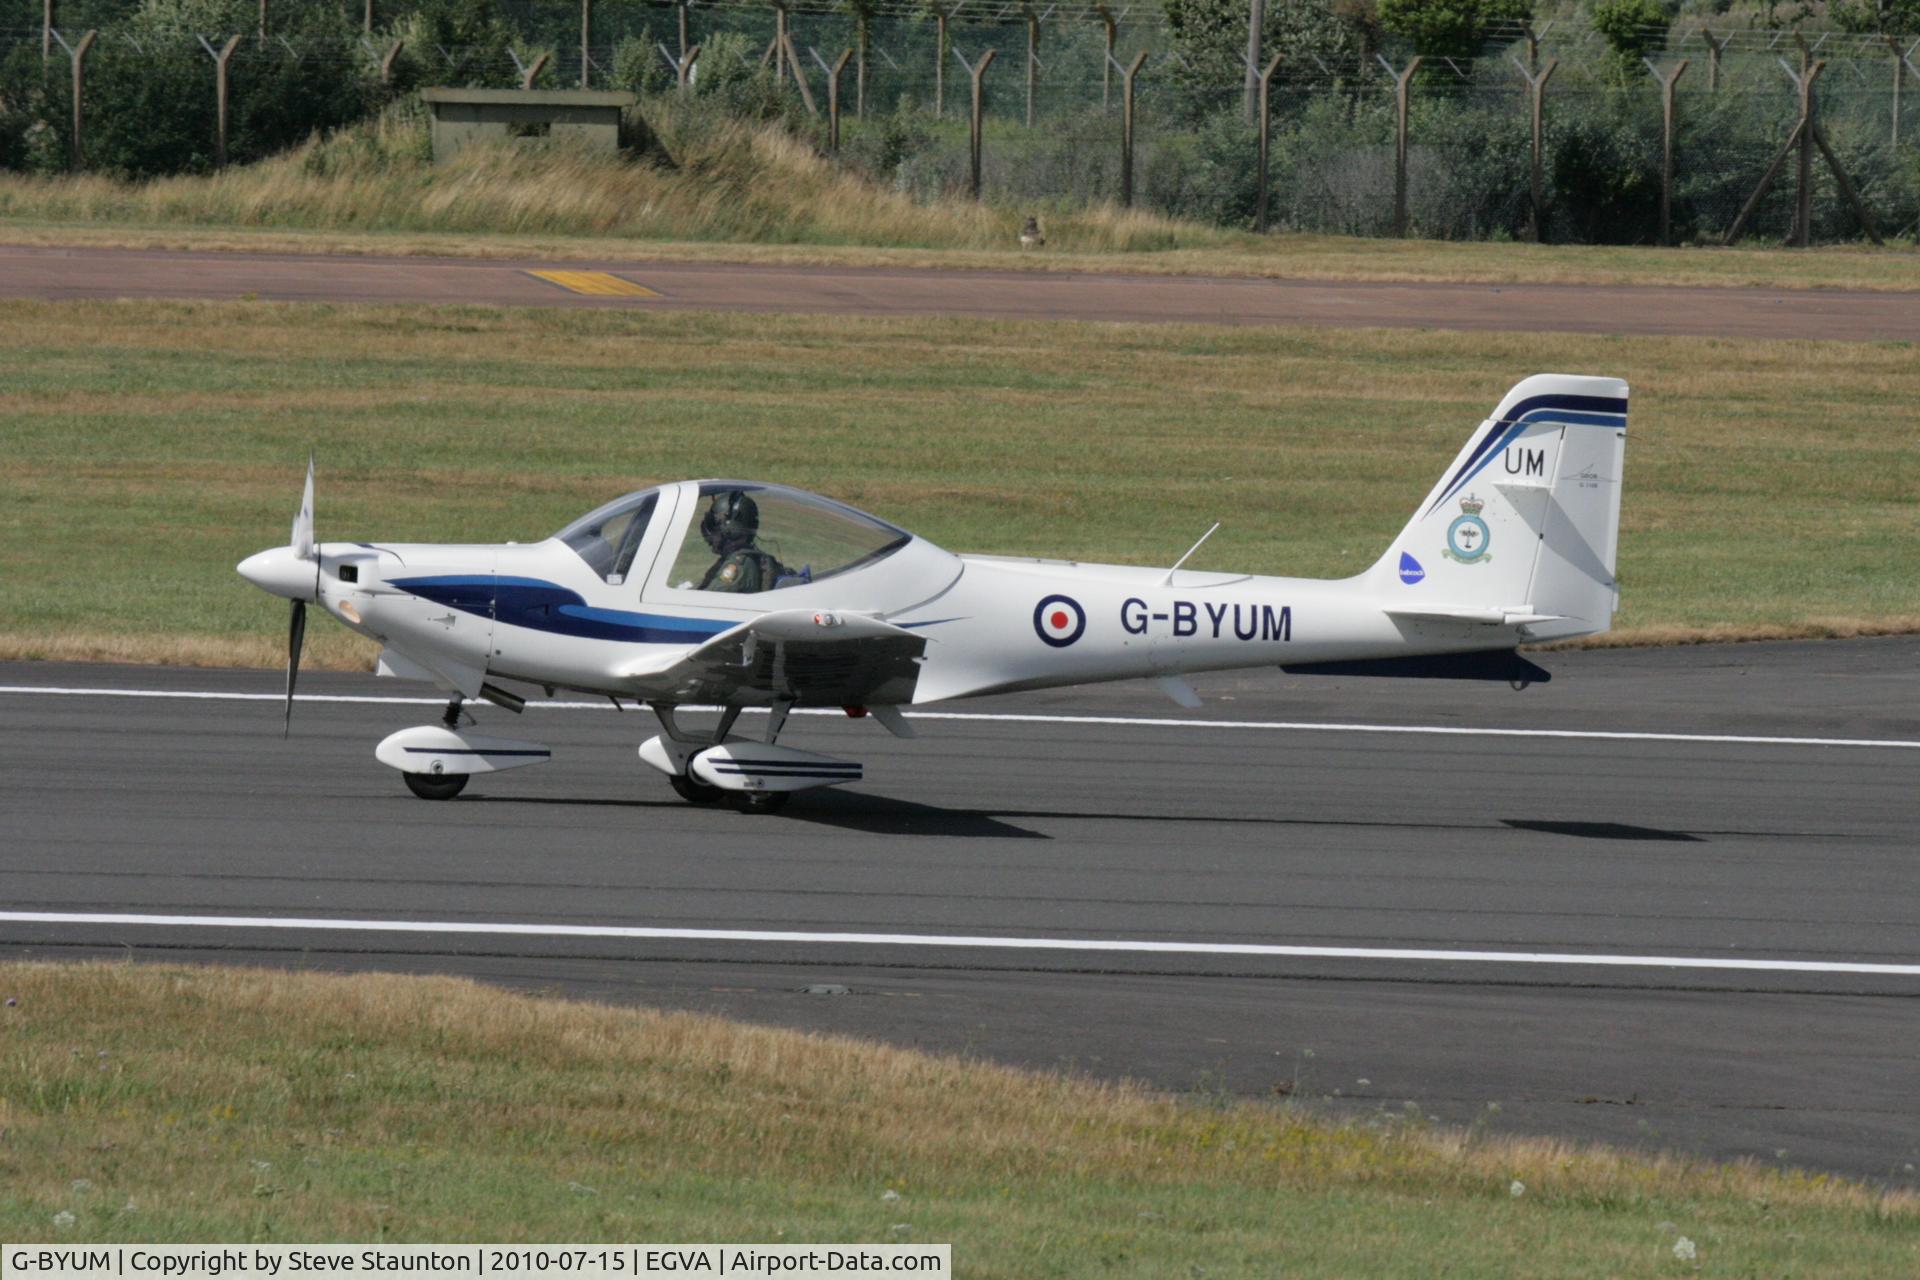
(176, 1104)
(150, 446)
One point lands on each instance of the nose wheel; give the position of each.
(436, 786)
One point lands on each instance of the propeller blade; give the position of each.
(303, 518)
(296, 637)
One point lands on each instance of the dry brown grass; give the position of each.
(728, 181)
(277, 1105)
(327, 649)
(744, 193)
(1741, 633)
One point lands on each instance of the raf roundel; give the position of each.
(1059, 620)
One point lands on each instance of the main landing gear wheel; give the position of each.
(694, 792)
(436, 786)
(763, 801)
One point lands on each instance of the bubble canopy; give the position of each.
(803, 536)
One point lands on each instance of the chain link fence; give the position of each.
(1054, 119)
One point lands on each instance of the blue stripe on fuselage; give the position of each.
(547, 606)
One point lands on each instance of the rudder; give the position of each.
(1523, 527)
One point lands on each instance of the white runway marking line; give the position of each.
(1299, 726)
(959, 940)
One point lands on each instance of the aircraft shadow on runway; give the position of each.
(871, 815)
(1601, 830)
(891, 816)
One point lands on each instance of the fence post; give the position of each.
(1106, 67)
(1667, 81)
(792, 56)
(1127, 73)
(1033, 59)
(780, 41)
(79, 55)
(586, 39)
(46, 30)
(263, 22)
(1803, 198)
(861, 34)
(1901, 61)
(386, 63)
(833, 71)
(940, 62)
(1797, 138)
(1714, 46)
(366, 21)
(683, 69)
(1266, 133)
(220, 60)
(1256, 28)
(1536, 93)
(539, 65)
(1402, 80)
(978, 71)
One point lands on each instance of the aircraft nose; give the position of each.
(279, 571)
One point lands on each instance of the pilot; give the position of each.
(730, 526)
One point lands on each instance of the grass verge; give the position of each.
(186, 1104)
(152, 445)
(739, 192)
(1291, 257)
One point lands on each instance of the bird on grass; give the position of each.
(1030, 237)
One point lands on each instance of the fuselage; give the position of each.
(537, 613)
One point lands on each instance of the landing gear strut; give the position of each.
(762, 802)
(706, 767)
(687, 745)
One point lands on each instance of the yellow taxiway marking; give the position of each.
(604, 283)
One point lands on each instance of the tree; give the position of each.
(1210, 43)
(1450, 28)
(1892, 17)
(1631, 27)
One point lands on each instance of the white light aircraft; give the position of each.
(743, 594)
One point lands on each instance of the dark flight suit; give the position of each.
(743, 570)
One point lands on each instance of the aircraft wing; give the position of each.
(814, 658)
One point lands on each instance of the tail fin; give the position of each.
(1522, 529)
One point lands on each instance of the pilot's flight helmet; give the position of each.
(731, 521)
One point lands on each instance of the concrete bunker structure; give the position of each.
(587, 118)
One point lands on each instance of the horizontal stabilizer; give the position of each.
(1515, 616)
(1504, 664)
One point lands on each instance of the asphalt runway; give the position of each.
(1695, 867)
(29, 272)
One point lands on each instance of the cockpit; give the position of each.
(742, 537)
(609, 537)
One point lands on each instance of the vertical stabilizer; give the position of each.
(1523, 526)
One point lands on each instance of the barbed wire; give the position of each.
(1738, 50)
(1685, 34)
